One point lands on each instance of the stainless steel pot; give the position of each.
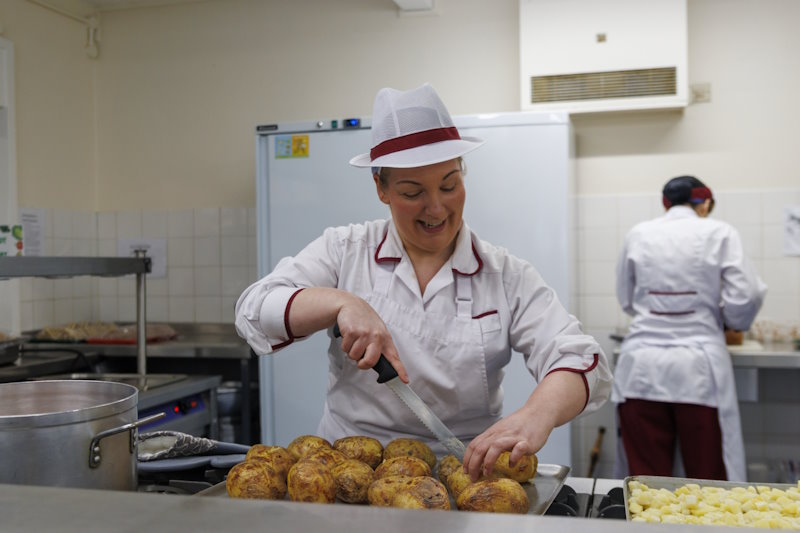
(69, 433)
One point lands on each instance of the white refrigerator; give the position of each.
(519, 195)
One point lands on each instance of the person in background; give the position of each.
(684, 278)
(445, 307)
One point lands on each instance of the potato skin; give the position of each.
(306, 445)
(447, 465)
(309, 481)
(255, 480)
(500, 495)
(382, 491)
(524, 470)
(364, 449)
(403, 466)
(458, 480)
(326, 456)
(410, 448)
(277, 456)
(424, 492)
(353, 478)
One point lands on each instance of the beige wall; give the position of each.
(173, 99)
(54, 106)
(746, 137)
(181, 88)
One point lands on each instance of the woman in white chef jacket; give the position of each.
(443, 306)
(684, 278)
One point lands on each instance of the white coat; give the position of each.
(454, 340)
(683, 277)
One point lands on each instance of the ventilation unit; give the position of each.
(603, 55)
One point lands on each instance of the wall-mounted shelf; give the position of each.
(60, 267)
(67, 267)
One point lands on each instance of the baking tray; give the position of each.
(541, 490)
(674, 483)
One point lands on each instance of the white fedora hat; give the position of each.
(412, 129)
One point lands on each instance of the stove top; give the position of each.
(589, 498)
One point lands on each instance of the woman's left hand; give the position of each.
(521, 432)
(556, 400)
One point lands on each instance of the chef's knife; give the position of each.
(388, 375)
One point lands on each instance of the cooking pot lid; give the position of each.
(55, 402)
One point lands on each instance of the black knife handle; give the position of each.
(384, 369)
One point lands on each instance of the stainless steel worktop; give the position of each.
(201, 340)
(753, 354)
(27, 508)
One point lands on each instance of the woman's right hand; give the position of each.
(365, 337)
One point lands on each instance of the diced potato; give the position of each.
(752, 506)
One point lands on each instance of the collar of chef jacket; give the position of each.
(464, 261)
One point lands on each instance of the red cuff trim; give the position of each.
(487, 313)
(582, 374)
(286, 322)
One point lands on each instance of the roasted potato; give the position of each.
(524, 470)
(403, 466)
(447, 464)
(364, 449)
(326, 456)
(458, 480)
(382, 491)
(421, 492)
(353, 478)
(424, 492)
(306, 445)
(410, 448)
(277, 456)
(309, 481)
(255, 479)
(499, 495)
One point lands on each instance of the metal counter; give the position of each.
(768, 355)
(27, 508)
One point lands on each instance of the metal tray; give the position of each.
(541, 490)
(674, 483)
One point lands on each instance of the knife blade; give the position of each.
(388, 376)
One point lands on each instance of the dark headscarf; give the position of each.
(686, 190)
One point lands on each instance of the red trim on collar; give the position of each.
(414, 140)
(480, 264)
(384, 259)
(582, 374)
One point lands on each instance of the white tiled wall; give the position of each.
(603, 221)
(211, 258)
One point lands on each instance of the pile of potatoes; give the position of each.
(361, 470)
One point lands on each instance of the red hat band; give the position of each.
(413, 140)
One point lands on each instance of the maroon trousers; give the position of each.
(649, 430)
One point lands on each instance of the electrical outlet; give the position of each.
(701, 93)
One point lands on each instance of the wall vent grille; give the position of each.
(601, 85)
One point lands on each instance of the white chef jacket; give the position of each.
(683, 277)
(511, 308)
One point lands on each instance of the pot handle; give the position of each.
(94, 446)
